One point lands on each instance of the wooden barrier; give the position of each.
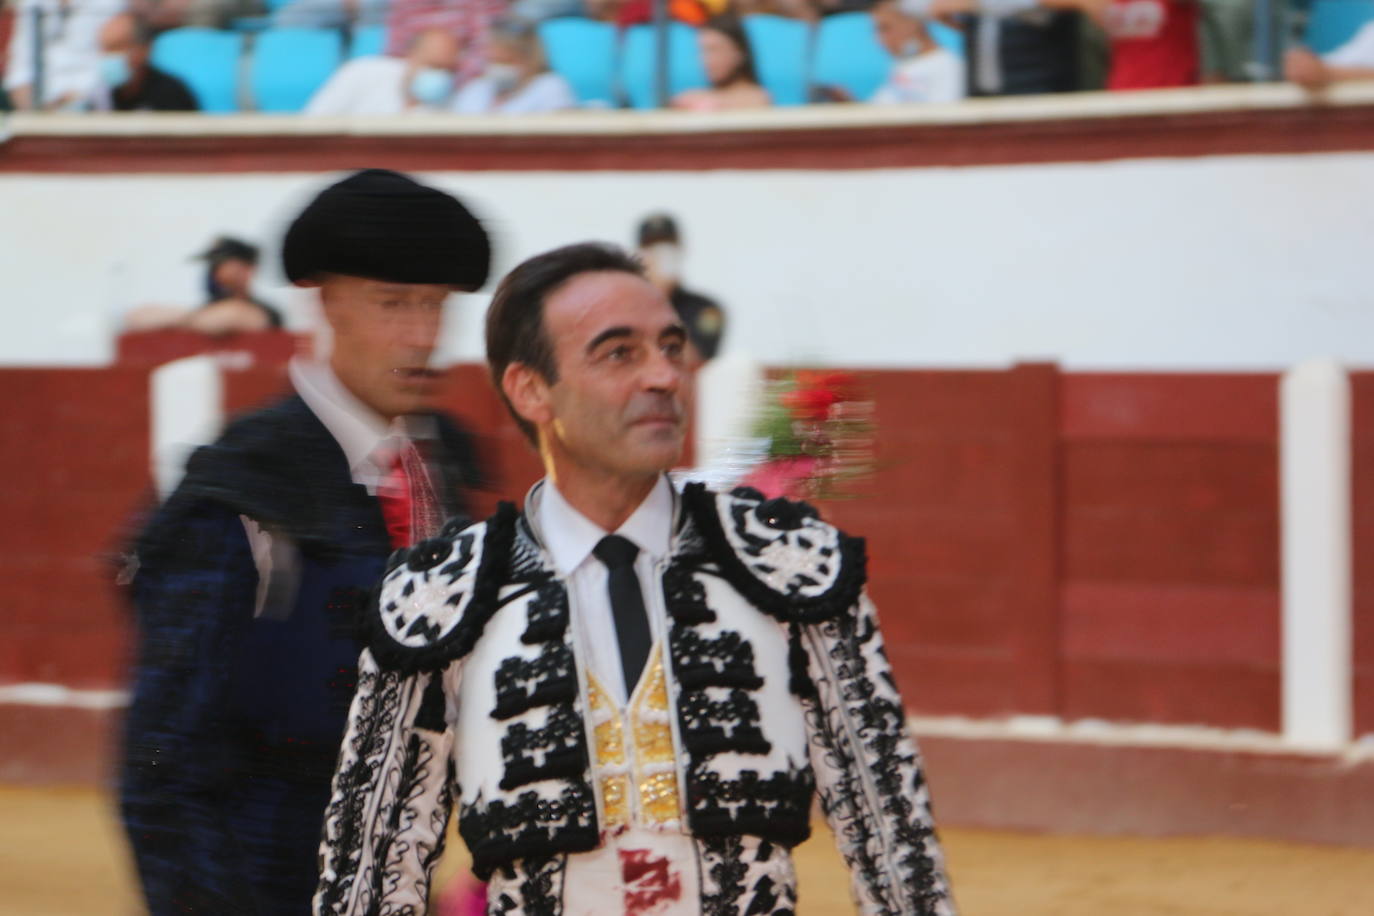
(1042, 543)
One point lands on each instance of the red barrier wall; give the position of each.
(74, 462)
(1066, 544)
(1169, 576)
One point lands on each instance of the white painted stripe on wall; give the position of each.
(187, 411)
(1316, 536)
(35, 694)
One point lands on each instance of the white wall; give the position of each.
(1227, 262)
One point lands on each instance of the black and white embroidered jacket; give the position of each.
(778, 687)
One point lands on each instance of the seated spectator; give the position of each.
(923, 71)
(127, 81)
(1353, 60)
(1154, 43)
(70, 32)
(380, 85)
(468, 21)
(1014, 47)
(517, 79)
(729, 65)
(230, 307)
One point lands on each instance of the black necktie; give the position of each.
(627, 605)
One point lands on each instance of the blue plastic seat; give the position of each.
(207, 61)
(638, 57)
(1334, 22)
(368, 41)
(290, 64)
(582, 51)
(781, 48)
(848, 55)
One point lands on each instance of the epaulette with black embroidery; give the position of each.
(779, 554)
(436, 597)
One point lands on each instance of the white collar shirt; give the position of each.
(368, 440)
(569, 536)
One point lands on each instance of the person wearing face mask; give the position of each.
(128, 82)
(923, 71)
(660, 248)
(230, 306)
(380, 85)
(517, 79)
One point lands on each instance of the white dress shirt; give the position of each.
(570, 538)
(934, 76)
(374, 85)
(71, 46)
(369, 443)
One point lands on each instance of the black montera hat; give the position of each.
(386, 226)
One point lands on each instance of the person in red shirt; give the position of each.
(1154, 43)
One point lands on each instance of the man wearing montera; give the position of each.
(631, 694)
(251, 577)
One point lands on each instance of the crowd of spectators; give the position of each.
(485, 56)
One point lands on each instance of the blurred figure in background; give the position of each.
(729, 64)
(517, 79)
(128, 82)
(1014, 47)
(1353, 60)
(660, 248)
(923, 71)
(380, 85)
(230, 305)
(70, 33)
(468, 21)
(249, 580)
(1154, 43)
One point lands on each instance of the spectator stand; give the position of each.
(256, 66)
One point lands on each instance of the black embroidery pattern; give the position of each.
(503, 832)
(548, 614)
(716, 713)
(540, 889)
(491, 573)
(378, 700)
(557, 750)
(722, 863)
(712, 726)
(394, 846)
(776, 808)
(872, 711)
(521, 684)
(498, 833)
(789, 520)
(726, 661)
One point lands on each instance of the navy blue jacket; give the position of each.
(235, 720)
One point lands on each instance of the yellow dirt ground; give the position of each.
(62, 854)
